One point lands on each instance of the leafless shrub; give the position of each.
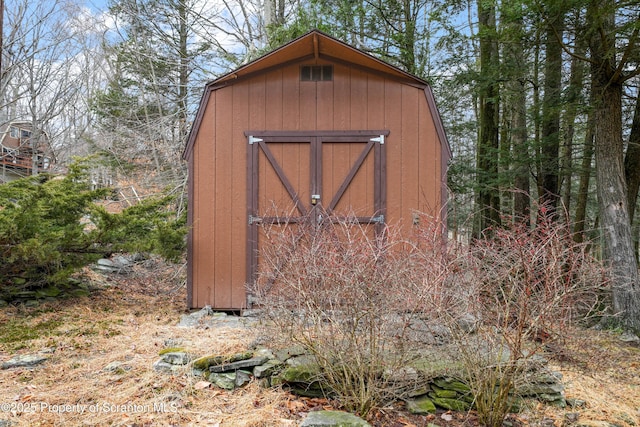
(370, 306)
(527, 286)
(341, 290)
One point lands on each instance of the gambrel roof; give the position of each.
(318, 45)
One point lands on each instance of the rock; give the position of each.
(302, 360)
(176, 358)
(441, 334)
(195, 318)
(117, 264)
(540, 389)
(333, 419)
(571, 417)
(452, 404)
(264, 352)
(122, 262)
(311, 390)
(78, 293)
(402, 374)
(117, 367)
(6, 423)
(205, 362)
(544, 377)
(49, 291)
(286, 353)
(547, 422)
(553, 399)
(266, 369)
(24, 360)
(468, 323)
(172, 343)
(439, 392)
(173, 349)
(629, 337)
(242, 378)
(300, 374)
(255, 312)
(106, 265)
(420, 391)
(576, 403)
(421, 406)
(162, 366)
(234, 366)
(225, 380)
(451, 384)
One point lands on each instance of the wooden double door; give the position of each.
(307, 176)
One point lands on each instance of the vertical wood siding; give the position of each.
(277, 100)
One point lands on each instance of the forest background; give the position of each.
(539, 98)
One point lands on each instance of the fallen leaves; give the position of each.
(201, 385)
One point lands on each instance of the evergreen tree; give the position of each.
(613, 64)
(50, 227)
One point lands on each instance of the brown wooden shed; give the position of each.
(313, 122)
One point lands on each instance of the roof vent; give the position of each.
(316, 73)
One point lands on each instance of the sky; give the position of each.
(96, 6)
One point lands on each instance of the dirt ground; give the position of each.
(101, 350)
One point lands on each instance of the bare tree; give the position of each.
(39, 78)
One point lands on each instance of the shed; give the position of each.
(314, 122)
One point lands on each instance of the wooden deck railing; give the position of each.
(19, 161)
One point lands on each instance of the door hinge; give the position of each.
(255, 220)
(379, 219)
(253, 139)
(379, 139)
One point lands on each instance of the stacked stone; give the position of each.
(298, 372)
(442, 392)
(545, 386)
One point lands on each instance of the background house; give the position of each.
(313, 123)
(20, 153)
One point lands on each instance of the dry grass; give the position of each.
(130, 319)
(604, 372)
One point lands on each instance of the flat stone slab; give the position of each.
(208, 318)
(422, 405)
(333, 419)
(24, 360)
(241, 364)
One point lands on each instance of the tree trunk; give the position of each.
(583, 186)
(612, 196)
(515, 65)
(521, 198)
(632, 172)
(183, 79)
(573, 96)
(612, 200)
(551, 107)
(487, 193)
(632, 162)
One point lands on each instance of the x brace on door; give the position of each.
(258, 142)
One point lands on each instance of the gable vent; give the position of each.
(316, 73)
